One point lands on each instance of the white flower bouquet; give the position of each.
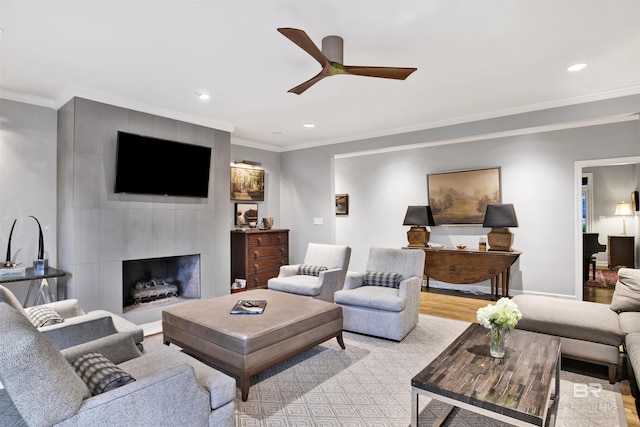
(504, 314)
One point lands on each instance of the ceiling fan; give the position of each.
(330, 58)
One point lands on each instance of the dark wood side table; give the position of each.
(38, 284)
(465, 375)
(466, 266)
(621, 251)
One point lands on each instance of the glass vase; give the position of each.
(497, 341)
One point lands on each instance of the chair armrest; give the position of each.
(331, 281)
(410, 287)
(79, 329)
(66, 308)
(288, 270)
(353, 280)
(118, 348)
(171, 396)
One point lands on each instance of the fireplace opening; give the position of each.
(159, 281)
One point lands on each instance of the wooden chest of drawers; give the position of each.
(256, 255)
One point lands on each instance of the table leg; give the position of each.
(26, 300)
(494, 291)
(42, 291)
(505, 283)
(414, 408)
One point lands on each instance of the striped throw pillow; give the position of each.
(311, 270)
(43, 316)
(99, 373)
(388, 280)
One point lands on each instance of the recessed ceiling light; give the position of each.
(203, 96)
(576, 67)
(309, 125)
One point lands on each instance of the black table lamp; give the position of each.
(499, 218)
(418, 217)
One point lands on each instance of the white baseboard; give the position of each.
(152, 328)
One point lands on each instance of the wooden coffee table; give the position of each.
(516, 389)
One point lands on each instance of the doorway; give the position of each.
(586, 216)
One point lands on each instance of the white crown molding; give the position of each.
(141, 107)
(631, 90)
(500, 134)
(26, 98)
(254, 144)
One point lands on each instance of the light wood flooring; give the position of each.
(463, 306)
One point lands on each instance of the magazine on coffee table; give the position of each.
(252, 306)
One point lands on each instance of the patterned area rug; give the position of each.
(369, 384)
(605, 279)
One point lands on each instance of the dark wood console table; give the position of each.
(466, 266)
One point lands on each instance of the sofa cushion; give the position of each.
(99, 373)
(581, 320)
(43, 316)
(42, 384)
(310, 269)
(626, 297)
(632, 345)
(388, 280)
(629, 322)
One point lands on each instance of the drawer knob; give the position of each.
(255, 254)
(259, 240)
(255, 267)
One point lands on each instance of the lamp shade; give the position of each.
(623, 209)
(418, 215)
(500, 216)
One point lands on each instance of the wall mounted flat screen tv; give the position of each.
(146, 165)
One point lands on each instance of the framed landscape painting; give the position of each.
(247, 184)
(461, 198)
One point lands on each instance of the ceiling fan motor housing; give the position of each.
(332, 48)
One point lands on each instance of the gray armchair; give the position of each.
(385, 300)
(319, 276)
(77, 326)
(170, 387)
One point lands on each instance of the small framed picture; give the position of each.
(342, 204)
(246, 213)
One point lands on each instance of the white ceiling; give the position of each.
(475, 59)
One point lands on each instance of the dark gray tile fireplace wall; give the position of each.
(98, 229)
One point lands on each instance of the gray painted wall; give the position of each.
(270, 162)
(27, 184)
(538, 176)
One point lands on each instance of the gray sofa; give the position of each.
(590, 331)
(78, 327)
(170, 388)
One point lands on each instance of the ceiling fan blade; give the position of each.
(301, 38)
(383, 72)
(306, 85)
